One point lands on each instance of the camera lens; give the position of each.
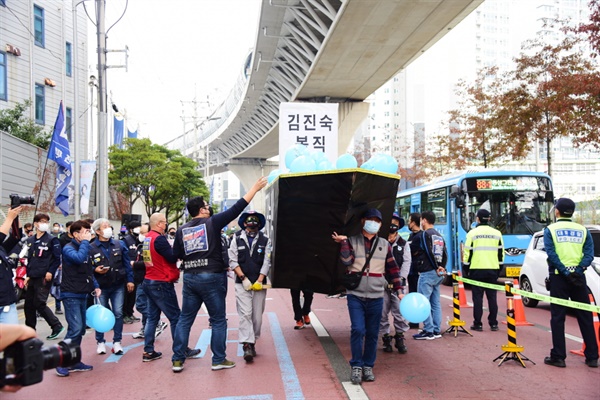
(62, 355)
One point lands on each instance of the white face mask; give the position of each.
(372, 227)
(107, 233)
(141, 237)
(136, 230)
(43, 227)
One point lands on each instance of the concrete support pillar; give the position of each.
(248, 170)
(352, 115)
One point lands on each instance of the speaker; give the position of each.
(127, 218)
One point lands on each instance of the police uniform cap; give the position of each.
(565, 206)
(483, 214)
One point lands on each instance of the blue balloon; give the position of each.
(274, 174)
(385, 163)
(318, 156)
(346, 161)
(294, 152)
(103, 320)
(303, 164)
(367, 165)
(90, 313)
(415, 307)
(325, 165)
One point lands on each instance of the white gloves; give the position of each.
(247, 284)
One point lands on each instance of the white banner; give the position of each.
(312, 124)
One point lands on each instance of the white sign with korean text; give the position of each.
(312, 124)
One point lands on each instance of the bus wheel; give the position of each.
(526, 286)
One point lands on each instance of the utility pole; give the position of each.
(102, 174)
(76, 153)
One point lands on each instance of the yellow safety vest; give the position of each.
(568, 238)
(481, 248)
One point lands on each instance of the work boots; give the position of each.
(248, 355)
(399, 343)
(387, 343)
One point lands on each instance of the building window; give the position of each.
(40, 105)
(38, 25)
(69, 59)
(3, 73)
(69, 123)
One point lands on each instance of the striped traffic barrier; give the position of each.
(456, 324)
(596, 329)
(520, 319)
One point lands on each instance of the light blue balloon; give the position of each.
(367, 165)
(318, 156)
(346, 161)
(90, 313)
(303, 164)
(415, 307)
(103, 320)
(274, 174)
(294, 152)
(325, 165)
(385, 163)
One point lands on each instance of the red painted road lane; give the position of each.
(447, 368)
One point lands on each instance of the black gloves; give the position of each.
(576, 279)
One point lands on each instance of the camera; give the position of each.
(16, 200)
(23, 363)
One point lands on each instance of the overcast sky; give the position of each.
(178, 49)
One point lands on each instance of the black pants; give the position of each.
(299, 310)
(486, 276)
(129, 301)
(36, 297)
(561, 288)
(413, 281)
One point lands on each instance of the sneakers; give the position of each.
(591, 363)
(253, 349)
(58, 311)
(494, 328)
(80, 367)
(555, 362)
(424, 335)
(356, 377)
(55, 333)
(192, 353)
(135, 319)
(368, 374)
(139, 335)
(248, 356)
(101, 349)
(62, 371)
(225, 364)
(387, 343)
(160, 328)
(177, 366)
(399, 343)
(299, 324)
(477, 328)
(437, 335)
(306, 320)
(155, 355)
(117, 348)
(127, 320)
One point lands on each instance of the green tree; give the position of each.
(162, 179)
(13, 121)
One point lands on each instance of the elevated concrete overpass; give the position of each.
(318, 51)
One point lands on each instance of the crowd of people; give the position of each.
(139, 271)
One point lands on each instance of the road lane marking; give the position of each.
(291, 384)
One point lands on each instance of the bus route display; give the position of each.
(520, 183)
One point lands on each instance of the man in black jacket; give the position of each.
(43, 259)
(131, 242)
(8, 299)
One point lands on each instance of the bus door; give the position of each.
(415, 203)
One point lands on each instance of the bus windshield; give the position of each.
(518, 205)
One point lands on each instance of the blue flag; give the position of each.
(59, 153)
(118, 125)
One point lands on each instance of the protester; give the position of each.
(301, 311)
(130, 240)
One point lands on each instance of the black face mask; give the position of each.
(252, 224)
(394, 228)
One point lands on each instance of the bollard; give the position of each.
(511, 350)
(456, 324)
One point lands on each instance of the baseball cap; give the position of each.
(372, 212)
(565, 206)
(483, 214)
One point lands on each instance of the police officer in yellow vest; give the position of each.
(484, 253)
(570, 250)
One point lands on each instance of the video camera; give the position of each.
(16, 200)
(23, 363)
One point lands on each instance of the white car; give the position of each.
(535, 268)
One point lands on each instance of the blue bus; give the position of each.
(520, 203)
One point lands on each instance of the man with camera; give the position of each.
(8, 298)
(43, 259)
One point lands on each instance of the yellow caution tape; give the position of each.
(540, 297)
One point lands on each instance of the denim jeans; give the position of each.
(365, 315)
(10, 316)
(75, 308)
(141, 302)
(429, 286)
(210, 289)
(116, 295)
(161, 297)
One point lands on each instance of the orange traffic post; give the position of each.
(596, 329)
(519, 308)
(462, 296)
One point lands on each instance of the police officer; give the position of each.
(483, 254)
(250, 261)
(391, 303)
(570, 250)
(130, 240)
(112, 269)
(43, 259)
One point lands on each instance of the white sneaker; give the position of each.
(160, 328)
(139, 335)
(101, 348)
(117, 348)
